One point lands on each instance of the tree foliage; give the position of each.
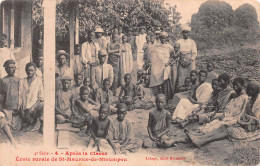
(113, 13)
(216, 24)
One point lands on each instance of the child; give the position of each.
(86, 82)
(186, 85)
(129, 91)
(64, 103)
(100, 126)
(159, 126)
(120, 133)
(211, 73)
(105, 96)
(126, 60)
(78, 83)
(84, 108)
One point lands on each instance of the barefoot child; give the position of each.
(120, 133)
(100, 126)
(184, 87)
(105, 96)
(84, 109)
(129, 91)
(159, 126)
(64, 103)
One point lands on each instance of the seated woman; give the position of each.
(185, 94)
(216, 129)
(221, 97)
(247, 128)
(197, 98)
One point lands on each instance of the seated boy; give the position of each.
(64, 102)
(78, 83)
(105, 96)
(120, 133)
(129, 91)
(5, 127)
(159, 126)
(86, 82)
(84, 109)
(100, 126)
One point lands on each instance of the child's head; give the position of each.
(106, 84)
(163, 37)
(214, 84)
(193, 76)
(202, 75)
(253, 89)
(121, 111)
(10, 67)
(223, 80)
(84, 92)
(102, 54)
(148, 38)
(238, 84)
(104, 111)
(65, 81)
(124, 38)
(78, 78)
(176, 47)
(3, 40)
(86, 81)
(187, 81)
(115, 37)
(210, 66)
(160, 101)
(30, 69)
(39, 60)
(127, 78)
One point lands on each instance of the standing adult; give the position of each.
(101, 40)
(89, 53)
(140, 40)
(160, 74)
(131, 41)
(9, 86)
(188, 53)
(5, 54)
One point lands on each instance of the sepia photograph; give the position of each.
(129, 82)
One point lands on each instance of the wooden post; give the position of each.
(77, 23)
(49, 7)
(72, 22)
(12, 27)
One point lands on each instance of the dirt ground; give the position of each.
(222, 152)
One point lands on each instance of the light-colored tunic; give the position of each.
(100, 73)
(188, 50)
(233, 112)
(140, 40)
(126, 61)
(159, 57)
(30, 94)
(185, 107)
